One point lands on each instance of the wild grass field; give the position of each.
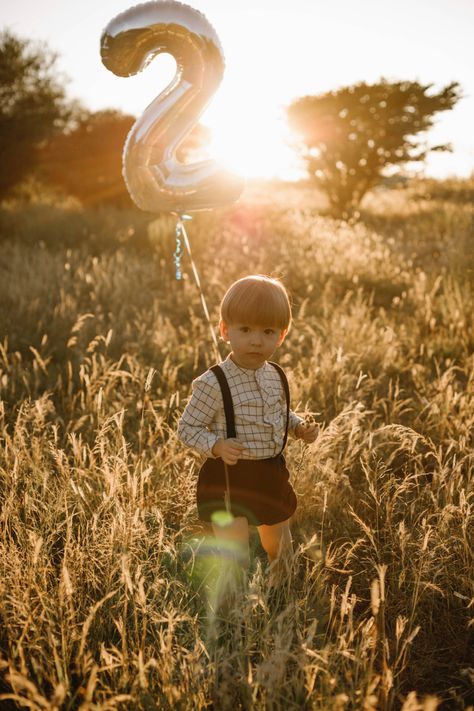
(107, 577)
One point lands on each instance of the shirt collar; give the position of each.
(235, 369)
(261, 375)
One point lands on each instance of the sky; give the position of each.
(276, 51)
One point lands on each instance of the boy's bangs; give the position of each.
(259, 314)
(259, 309)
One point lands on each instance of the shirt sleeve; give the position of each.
(293, 423)
(199, 413)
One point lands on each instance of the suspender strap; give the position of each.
(286, 388)
(227, 398)
(229, 406)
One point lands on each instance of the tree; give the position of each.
(32, 106)
(86, 162)
(352, 135)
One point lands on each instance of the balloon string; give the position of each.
(178, 253)
(181, 232)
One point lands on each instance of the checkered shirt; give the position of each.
(259, 408)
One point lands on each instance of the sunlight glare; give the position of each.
(254, 146)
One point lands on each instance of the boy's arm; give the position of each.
(199, 413)
(302, 429)
(293, 423)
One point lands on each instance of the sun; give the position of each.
(254, 145)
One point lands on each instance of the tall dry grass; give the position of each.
(107, 578)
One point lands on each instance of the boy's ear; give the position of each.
(224, 331)
(283, 333)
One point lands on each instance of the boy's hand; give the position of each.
(307, 431)
(229, 450)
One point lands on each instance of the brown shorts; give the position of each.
(259, 490)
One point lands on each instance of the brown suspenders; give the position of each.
(229, 407)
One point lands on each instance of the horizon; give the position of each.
(284, 50)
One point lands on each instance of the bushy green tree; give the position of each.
(33, 105)
(350, 137)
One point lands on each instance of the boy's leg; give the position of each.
(233, 543)
(278, 545)
(233, 539)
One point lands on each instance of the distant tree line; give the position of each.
(33, 106)
(348, 138)
(86, 161)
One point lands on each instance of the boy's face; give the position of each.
(251, 345)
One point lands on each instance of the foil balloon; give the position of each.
(155, 178)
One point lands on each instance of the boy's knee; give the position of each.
(233, 541)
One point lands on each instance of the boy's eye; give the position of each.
(269, 331)
(244, 329)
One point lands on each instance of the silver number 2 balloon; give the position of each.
(155, 179)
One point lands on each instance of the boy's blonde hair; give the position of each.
(257, 300)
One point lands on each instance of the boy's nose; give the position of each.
(256, 339)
